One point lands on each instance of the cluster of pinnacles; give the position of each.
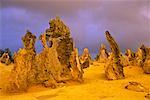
(59, 61)
(115, 61)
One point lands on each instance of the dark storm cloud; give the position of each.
(52, 7)
(127, 20)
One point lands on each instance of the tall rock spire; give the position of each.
(113, 68)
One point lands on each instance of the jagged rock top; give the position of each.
(57, 28)
(114, 46)
(29, 40)
(103, 46)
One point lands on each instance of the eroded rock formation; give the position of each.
(130, 56)
(54, 61)
(103, 55)
(147, 96)
(76, 68)
(113, 67)
(85, 58)
(50, 67)
(135, 86)
(24, 72)
(145, 59)
(1, 52)
(6, 56)
(139, 57)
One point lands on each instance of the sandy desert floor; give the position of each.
(95, 86)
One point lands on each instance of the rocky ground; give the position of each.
(95, 86)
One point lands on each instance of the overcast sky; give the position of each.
(127, 20)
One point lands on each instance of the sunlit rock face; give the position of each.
(76, 67)
(130, 56)
(103, 55)
(49, 67)
(56, 63)
(5, 59)
(139, 57)
(146, 59)
(146, 66)
(124, 60)
(24, 72)
(53, 62)
(6, 56)
(58, 30)
(85, 58)
(113, 67)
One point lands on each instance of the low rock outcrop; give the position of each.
(135, 86)
(6, 56)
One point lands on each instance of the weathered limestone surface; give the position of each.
(124, 60)
(85, 58)
(24, 72)
(49, 67)
(103, 55)
(54, 61)
(113, 68)
(6, 56)
(1, 52)
(146, 59)
(130, 56)
(147, 96)
(146, 66)
(76, 68)
(139, 57)
(5, 59)
(52, 66)
(135, 86)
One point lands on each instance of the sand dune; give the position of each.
(95, 86)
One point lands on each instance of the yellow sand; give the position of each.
(95, 87)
